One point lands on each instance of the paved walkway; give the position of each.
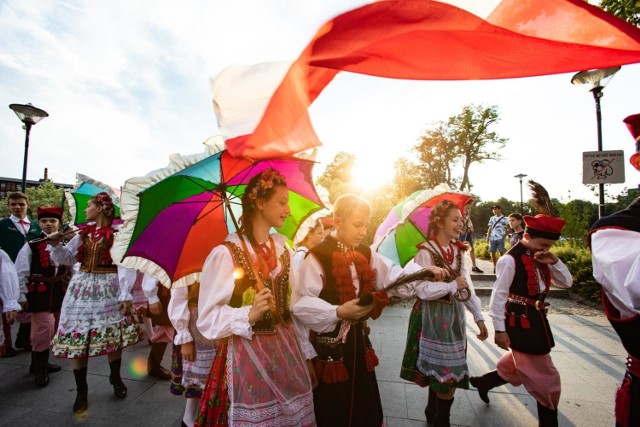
(587, 354)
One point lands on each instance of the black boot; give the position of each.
(81, 403)
(154, 368)
(486, 383)
(40, 360)
(443, 411)
(23, 339)
(119, 389)
(430, 409)
(547, 417)
(50, 366)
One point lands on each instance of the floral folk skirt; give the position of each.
(91, 323)
(435, 354)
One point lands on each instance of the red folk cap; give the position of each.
(545, 226)
(50, 212)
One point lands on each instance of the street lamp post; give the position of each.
(596, 80)
(29, 115)
(520, 176)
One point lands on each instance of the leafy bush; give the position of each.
(578, 260)
(481, 248)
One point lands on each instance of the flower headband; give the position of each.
(268, 178)
(104, 200)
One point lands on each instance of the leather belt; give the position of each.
(36, 278)
(519, 299)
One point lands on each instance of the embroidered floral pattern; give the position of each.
(530, 266)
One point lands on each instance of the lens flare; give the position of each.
(238, 273)
(138, 367)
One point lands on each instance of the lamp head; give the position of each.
(28, 114)
(595, 79)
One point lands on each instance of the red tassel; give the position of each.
(512, 320)
(372, 359)
(623, 403)
(41, 288)
(334, 372)
(524, 323)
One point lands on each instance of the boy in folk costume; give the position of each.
(14, 232)
(518, 311)
(43, 284)
(331, 278)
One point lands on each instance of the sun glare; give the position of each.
(371, 175)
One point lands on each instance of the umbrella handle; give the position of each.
(463, 295)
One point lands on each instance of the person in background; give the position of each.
(466, 234)
(314, 236)
(496, 233)
(43, 284)
(15, 231)
(518, 310)
(516, 224)
(9, 293)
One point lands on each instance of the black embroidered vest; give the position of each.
(324, 254)
(96, 257)
(279, 286)
(46, 285)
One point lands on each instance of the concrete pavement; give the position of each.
(587, 354)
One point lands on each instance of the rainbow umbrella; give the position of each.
(175, 216)
(406, 225)
(84, 189)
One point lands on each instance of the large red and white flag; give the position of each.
(262, 109)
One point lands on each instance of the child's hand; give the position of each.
(502, 340)
(188, 351)
(484, 334)
(260, 305)
(352, 311)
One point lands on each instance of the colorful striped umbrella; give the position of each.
(406, 225)
(84, 189)
(174, 217)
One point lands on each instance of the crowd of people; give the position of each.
(272, 336)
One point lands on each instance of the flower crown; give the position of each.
(104, 200)
(268, 178)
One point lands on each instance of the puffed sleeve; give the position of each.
(126, 279)
(505, 272)
(431, 291)
(9, 288)
(301, 331)
(65, 254)
(387, 272)
(216, 319)
(150, 288)
(473, 304)
(314, 312)
(23, 268)
(178, 311)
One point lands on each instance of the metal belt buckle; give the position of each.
(539, 305)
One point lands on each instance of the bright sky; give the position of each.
(126, 84)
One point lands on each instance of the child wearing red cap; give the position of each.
(518, 311)
(43, 284)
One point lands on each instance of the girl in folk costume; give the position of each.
(435, 354)
(312, 238)
(332, 277)
(92, 322)
(192, 353)
(9, 293)
(259, 375)
(43, 284)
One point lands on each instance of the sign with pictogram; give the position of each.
(603, 167)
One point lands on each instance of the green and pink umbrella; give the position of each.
(406, 225)
(174, 217)
(85, 188)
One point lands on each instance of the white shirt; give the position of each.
(616, 266)
(9, 288)
(431, 291)
(216, 318)
(178, 312)
(505, 272)
(66, 255)
(22, 228)
(320, 315)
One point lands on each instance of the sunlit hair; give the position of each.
(17, 195)
(438, 214)
(104, 201)
(346, 204)
(263, 187)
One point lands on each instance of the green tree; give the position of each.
(578, 214)
(337, 177)
(464, 139)
(629, 10)
(45, 194)
(406, 179)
